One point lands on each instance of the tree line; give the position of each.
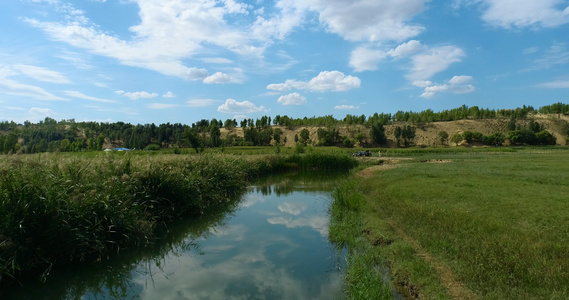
(50, 135)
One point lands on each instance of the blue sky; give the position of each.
(179, 61)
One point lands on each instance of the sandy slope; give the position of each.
(427, 135)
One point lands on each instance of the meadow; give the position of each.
(470, 225)
(66, 208)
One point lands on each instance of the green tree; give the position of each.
(304, 136)
(443, 137)
(377, 133)
(215, 136)
(100, 142)
(10, 143)
(192, 137)
(398, 133)
(65, 145)
(277, 133)
(511, 126)
(456, 138)
(91, 145)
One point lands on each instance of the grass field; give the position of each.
(460, 225)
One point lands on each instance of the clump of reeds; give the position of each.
(65, 208)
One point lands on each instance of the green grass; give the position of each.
(500, 223)
(75, 207)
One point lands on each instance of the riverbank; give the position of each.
(61, 209)
(457, 226)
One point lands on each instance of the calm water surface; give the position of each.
(272, 245)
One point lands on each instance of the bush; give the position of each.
(152, 147)
(456, 138)
(545, 137)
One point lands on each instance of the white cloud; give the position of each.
(79, 95)
(456, 85)
(234, 107)
(292, 99)
(169, 32)
(169, 94)
(345, 107)
(432, 61)
(422, 83)
(559, 84)
(36, 111)
(522, 13)
(365, 59)
(137, 95)
(161, 105)
(368, 20)
(557, 54)
(406, 49)
(201, 102)
(326, 81)
(217, 60)
(294, 209)
(41, 74)
(218, 77)
(320, 224)
(12, 87)
(233, 7)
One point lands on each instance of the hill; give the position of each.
(427, 134)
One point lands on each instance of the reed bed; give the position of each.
(59, 208)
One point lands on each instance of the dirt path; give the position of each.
(454, 287)
(388, 163)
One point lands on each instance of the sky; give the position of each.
(180, 61)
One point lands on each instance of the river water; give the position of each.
(273, 244)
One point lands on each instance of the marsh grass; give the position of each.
(72, 208)
(500, 223)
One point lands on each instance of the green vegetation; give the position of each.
(477, 225)
(61, 208)
(50, 135)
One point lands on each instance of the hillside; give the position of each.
(428, 134)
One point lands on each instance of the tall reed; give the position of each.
(67, 208)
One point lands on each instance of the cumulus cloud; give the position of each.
(169, 32)
(234, 107)
(522, 13)
(292, 99)
(326, 81)
(345, 107)
(79, 95)
(432, 61)
(368, 20)
(366, 59)
(294, 209)
(319, 224)
(169, 94)
(137, 95)
(218, 78)
(406, 49)
(456, 85)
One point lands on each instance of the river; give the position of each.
(273, 244)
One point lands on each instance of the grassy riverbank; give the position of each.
(62, 208)
(476, 225)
